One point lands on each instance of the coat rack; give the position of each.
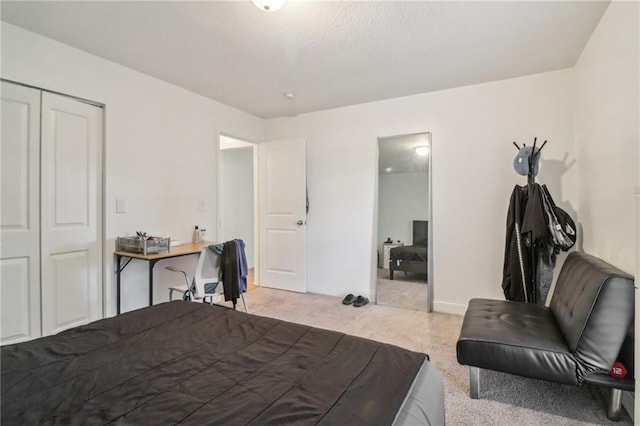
(530, 176)
(531, 179)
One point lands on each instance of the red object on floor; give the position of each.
(618, 371)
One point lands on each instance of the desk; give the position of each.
(176, 251)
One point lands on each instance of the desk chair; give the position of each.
(205, 284)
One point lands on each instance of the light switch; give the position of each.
(121, 206)
(202, 205)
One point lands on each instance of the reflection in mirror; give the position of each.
(403, 221)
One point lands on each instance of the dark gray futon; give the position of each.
(577, 339)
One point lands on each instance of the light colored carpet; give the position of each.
(505, 399)
(406, 290)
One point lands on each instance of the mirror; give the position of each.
(403, 237)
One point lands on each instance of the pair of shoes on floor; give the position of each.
(356, 301)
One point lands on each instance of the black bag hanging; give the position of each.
(561, 226)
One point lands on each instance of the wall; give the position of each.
(607, 113)
(160, 148)
(402, 198)
(154, 128)
(236, 198)
(607, 136)
(472, 178)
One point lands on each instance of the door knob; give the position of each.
(300, 223)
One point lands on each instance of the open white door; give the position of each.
(282, 207)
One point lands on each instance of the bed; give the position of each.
(412, 258)
(193, 363)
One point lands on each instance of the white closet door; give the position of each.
(71, 217)
(20, 214)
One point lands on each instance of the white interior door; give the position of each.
(71, 216)
(20, 214)
(282, 207)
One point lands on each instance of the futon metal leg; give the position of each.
(614, 411)
(474, 382)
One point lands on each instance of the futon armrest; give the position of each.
(603, 379)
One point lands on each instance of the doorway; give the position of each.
(261, 200)
(237, 195)
(403, 240)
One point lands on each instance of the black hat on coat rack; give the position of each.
(527, 159)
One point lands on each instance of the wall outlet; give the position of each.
(121, 206)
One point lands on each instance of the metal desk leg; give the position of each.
(151, 264)
(118, 272)
(119, 269)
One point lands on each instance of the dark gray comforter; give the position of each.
(413, 253)
(192, 363)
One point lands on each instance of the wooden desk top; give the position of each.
(182, 249)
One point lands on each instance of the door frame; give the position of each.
(219, 183)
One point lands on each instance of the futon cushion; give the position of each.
(593, 304)
(516, 338)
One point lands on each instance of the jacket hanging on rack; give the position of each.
(536, 232)
(526, 227)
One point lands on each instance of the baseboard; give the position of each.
(339, 292)
(628, 402)
(438, 305)
(449, 307)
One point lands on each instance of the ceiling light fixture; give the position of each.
(388, 169)
(268, 5)
(289, 95)
(422, 150)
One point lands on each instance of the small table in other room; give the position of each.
(386, 253)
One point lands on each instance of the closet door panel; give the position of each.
(71, 274)
(20, 214)
(16, 309)
(71, 213)
(72, 171)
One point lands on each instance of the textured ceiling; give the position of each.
(330, 54)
